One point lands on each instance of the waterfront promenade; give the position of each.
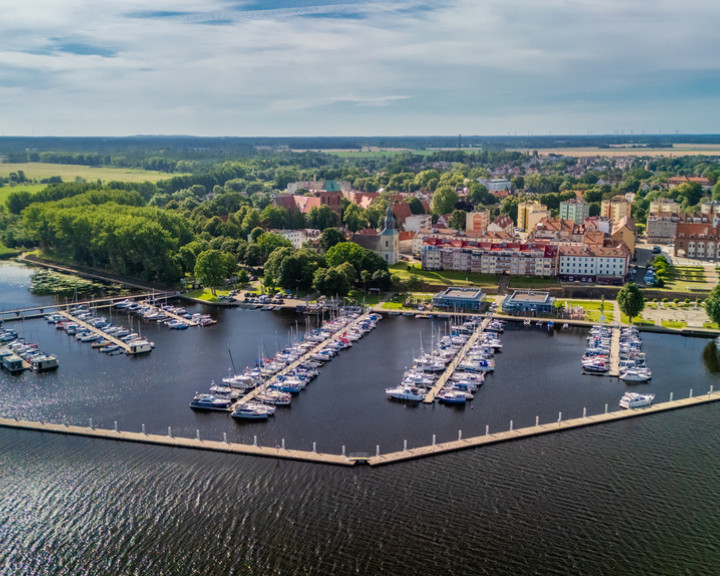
(379, 459)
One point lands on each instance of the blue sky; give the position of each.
(327, 67)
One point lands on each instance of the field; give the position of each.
(677, 150)
(5, 191)
(68, 172)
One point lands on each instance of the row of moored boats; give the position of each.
(469, 373)
(174, 317)
(287, 373)
(18, 355)
(100, 333)
(631, 362)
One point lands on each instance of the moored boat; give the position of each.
(636, 400)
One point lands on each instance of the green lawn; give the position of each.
(444, 277)
(6, 252)
(711, 326)
(673, 324)
(685, 279)
(637, 320)
(205, 294)
(592, 309)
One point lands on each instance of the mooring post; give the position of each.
(433, 440)
(690, 393)
(511, 423)
(404, 445)
(537, 420)
(459, 434)
(559, 417)
(343, 450)
(91, 423)
(255, 441)
(487, 429)
(671, 396)
(377, 450)
(225, 437)
(143, 428)
(584, 412)
(197, 434)
(711, 390)
(606, 408)
(116, 426)
(314, 447)
(282, 443)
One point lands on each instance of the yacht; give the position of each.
(139, 346)
(274, 397)
(405, 392)
(250, 411)
(636, 400)
(451, 396)
(210, 402)
(636, 375)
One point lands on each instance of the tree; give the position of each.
(210, 269)
(268, 242)
(273, 216)
(458, 219)
(416, 207)
(322, 217)
(330, 237)
(331, 282)
(443, 200)
(630, 300)
(354, 218)
(712, 304)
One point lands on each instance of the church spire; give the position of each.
(389, 219)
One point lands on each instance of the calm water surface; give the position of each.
(635, 497)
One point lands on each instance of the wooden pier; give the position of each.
(449, 371)
(169, 440)
(614, 353)
(91, 328)
(350, 460)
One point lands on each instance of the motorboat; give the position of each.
(142, 346)
(636, 400)
(636, 375)
(250, 411)
(274, 397)
(44, 362)
(405, 392)
(210, 402)
(452, 396)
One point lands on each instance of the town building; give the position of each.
(389, 240)
(593, 263)
(624, 232)
(459, 298)
(496, 184)
(418, 222)
(530, 213)
(695, 239)
(477, 222)
(575, 210)
(528, 301)
(557, 230)
(488, 257)
(661, 227)
(616, 208)
(663, 205)
(502, 223)
(305, 203)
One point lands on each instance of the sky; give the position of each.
(361, 68)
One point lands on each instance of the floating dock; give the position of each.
(290, 367)
(345, 460)
(614, 353)
(445, 376)
(108, 337)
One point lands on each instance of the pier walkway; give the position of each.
(348, 460)
(292, 366)
(449, 371)
(98, 331)
(614, 353)
(174, 316)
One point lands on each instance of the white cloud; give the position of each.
(401, 67)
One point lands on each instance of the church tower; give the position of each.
(389, 242)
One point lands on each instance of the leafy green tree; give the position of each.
(17, 201)
(330, 237)
(273, 216)
(416, 206)
(712, 304)
(269, 242)
(256, 232)
(331, 282)
(443, 200)
(211, 269)
(458, 219)
(251, 220)
(354, 218)
(322, 217)
(630, 300)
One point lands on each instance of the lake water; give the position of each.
(634, 497)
